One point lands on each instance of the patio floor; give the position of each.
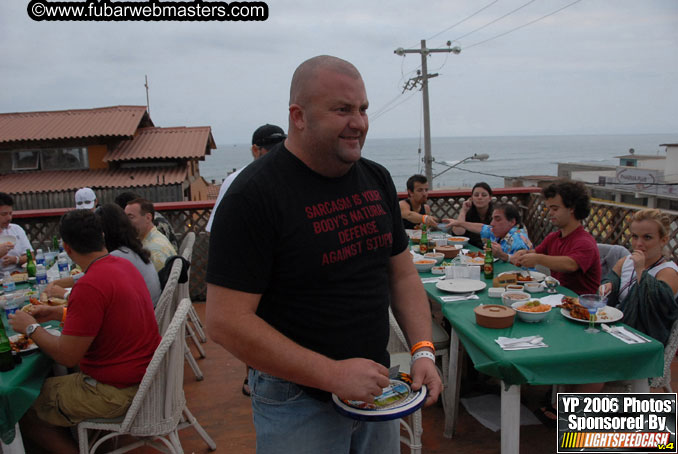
(226, 415)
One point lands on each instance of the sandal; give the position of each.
(245, 388)
(547, 415)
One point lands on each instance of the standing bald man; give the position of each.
(303, 295)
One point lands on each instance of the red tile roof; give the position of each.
(66, 180)
(116, 121)
(213, 191)
(165, 143)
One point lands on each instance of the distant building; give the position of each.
(643, 180)
(46, 156)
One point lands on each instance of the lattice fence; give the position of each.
(608, 223)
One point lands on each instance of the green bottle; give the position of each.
(423, 242)
(31, 269)
(488, 265)
(55, 244)
(6, 358)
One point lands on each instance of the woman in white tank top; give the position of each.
(644, 285)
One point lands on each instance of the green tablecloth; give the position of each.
(573, 356)
(20, 387)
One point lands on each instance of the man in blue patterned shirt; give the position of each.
(506, 231)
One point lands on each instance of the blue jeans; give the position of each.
(288, 420)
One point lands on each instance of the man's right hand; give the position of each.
(359, 379)
(43, 313)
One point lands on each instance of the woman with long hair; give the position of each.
(477, 209)
(644, 285)
(121, 240)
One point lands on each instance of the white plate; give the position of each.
(398, 400)
(613, 315)
(460, 285)
(32, 346)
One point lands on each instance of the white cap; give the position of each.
(85, 198)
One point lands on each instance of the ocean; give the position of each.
(509, 156)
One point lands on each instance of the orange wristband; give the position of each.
(422, 344)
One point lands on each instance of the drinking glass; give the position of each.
(592, 302)
(551, 284)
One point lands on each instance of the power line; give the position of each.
(461, 21)
(383, 111)
(521, 26)
(496, 20)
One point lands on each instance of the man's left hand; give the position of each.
(424, 372)
(20, 320)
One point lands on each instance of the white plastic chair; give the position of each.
(164, 312)
(400, 355)
(156, 410)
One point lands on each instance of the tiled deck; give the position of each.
(226, 414)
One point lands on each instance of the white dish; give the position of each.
(460, 285)
(612, 315)
(398, 400)
(530, 317)
(32, 346)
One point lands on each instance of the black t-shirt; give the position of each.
(410, 225)
(474, 216)
(316, 248)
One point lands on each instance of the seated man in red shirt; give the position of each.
(571, 253)
(109, 330)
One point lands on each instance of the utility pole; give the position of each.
(423, 79)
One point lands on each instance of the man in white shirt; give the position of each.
(263, 139)
(13, 239)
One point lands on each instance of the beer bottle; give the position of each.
(488, 266)
(423, 242)
(55, 243)
(6, 358)
(30, 264)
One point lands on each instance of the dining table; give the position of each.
(19, 388)
(573, 356)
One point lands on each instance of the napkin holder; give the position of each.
(495, 316)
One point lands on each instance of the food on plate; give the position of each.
(521, 278)
(534, 306)
(457, 238)
(75, 271)
(576, 310)
(18, 276)
(476, 255)
(424, 262)
(516, 296)
(570, 300)
(52, 300)
(20, 343)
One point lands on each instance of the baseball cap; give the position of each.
(85, 198)
(268, 135)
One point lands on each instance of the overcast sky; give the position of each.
(596, 67)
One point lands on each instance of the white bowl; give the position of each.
(424, 265)
(530, 317)
(509, 298)
(437, 256)
(438, 270)
(462, 240)
(533, 287)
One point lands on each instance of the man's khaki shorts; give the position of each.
(69, 399)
